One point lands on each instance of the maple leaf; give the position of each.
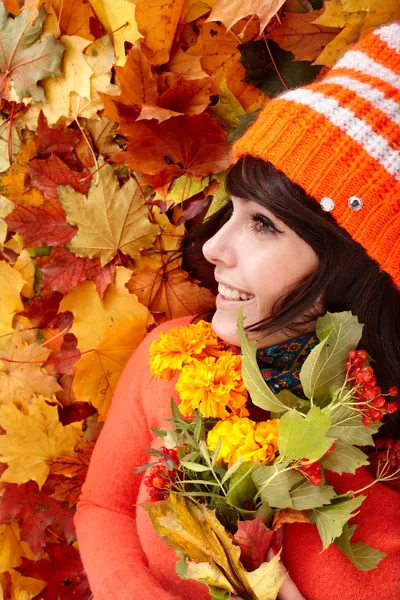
(229, 12)
(17, 587)
(35, 510)
(41, 226)
(69, 473)
(47, 174)
(25, 266)
(110, 220)
(5, 208)
(62, 270)
(11, 284)
(63, 360)
(12, 182)
(254, 539)
(158, 21)
(170, 294)
(12, 548)
(72, 17)
(57, 140)
(24, 58)
(103, 132)
(68, 579)
(298, 34)
(32, 437)
(118, 18)
(97, 373)
(196, 145)
(21, 379)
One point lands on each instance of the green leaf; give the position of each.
(331, 519)
(301, 437)
(205, 453)
(216, 452)
(255, 383)
(232, 469)
(363, 556)
(306, 495)
(275, 484)
(241, 486)
(244, 123)
(323, 370)
(347, 427)
(161, 433)
(344, 459)
(194, 466)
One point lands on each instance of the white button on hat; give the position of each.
(355, 203)
(327, 204)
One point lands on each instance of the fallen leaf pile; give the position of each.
(116, 122)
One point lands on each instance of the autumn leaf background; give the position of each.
(116, 123)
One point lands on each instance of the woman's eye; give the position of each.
(263, 224)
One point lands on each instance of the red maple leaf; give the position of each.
(63, 361)
(187, 144)
(43, 225)
(63, 271)
(64, 574)
(57, 140)
(47, 174)
(254, 538)
(42, 309)
(35, 511)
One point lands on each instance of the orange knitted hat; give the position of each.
(339, 139)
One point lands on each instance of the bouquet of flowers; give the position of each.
(239, 461)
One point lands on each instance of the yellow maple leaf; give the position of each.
(5, 208)
(12, 181)
(158, 22)
(111, 219)
(76, 74)
(32, 437)
(22, 588)
(92, 316)
(12, 549)
(26, 267)
(229, 12)
(97, 373)
(118, 18)
(19, 381)
(11, 284)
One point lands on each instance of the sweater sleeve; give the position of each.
(105, 520)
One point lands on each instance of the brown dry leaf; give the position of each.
(110, 220)
(290, 515)
(170, 296)
(158, 21)
(182, 63)
(19, 381)
(32, 437)
(229, 12)
(299, 34)
(102, 132)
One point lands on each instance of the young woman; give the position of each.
(312, 225)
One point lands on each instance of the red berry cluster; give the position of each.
(160, 479)
(389, 452)
(312, 471)
(371, 402)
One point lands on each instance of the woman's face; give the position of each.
(256, 253)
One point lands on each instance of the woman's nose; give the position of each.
(220, 248)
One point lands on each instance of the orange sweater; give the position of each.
(126, 560)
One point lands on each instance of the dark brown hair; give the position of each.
(346, 279)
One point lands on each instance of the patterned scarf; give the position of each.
(280, 364)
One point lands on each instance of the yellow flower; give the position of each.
(181, 345)
(213, 385)
(266, 434)
(243, 437)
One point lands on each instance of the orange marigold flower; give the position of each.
(213, 385)
(180, 346)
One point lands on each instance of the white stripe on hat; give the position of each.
(359, 131)
(359, 61)
(376, 97)
(390, 34)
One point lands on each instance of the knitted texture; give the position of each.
(340, 137)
